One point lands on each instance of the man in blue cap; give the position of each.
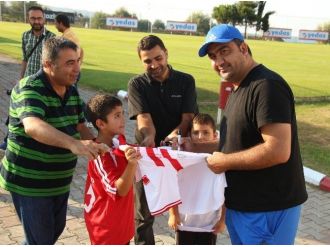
(259, 149)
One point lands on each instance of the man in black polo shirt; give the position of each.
(163, 101)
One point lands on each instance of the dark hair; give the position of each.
(100, 105)
(53, 46)
(238, 42)
(62, 18)
(149, 42)
(205, 119)
(36, 8)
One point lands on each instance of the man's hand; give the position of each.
(88, 148)
(148, 141)
(215, 162)
(219, 227)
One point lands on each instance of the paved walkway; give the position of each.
(314, 226)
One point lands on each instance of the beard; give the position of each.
(37, 27)
(158, 73)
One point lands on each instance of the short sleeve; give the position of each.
(273, 103)
(190, 97)
(137, 103)
(26, 102)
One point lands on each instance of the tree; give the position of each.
(246, 10)
(99, 20)
(262, 22)
(144, 25)
(226, 14)
(325, 27)
(158, 25)
(15, 10)
(202, 21)
(122, 12)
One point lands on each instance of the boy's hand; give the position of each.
(219, 227)
(132, 155)
(173, 221)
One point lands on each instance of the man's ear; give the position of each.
(99, 123)
(216, 135)
(244, 48)
(47, 64)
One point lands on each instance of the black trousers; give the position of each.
(195, 238)
(144, 234)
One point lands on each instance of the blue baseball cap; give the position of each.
(222, 33)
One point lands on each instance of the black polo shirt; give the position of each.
(164, 101)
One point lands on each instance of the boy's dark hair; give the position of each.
(61, 18)
(100, 105)
(36, 8)
(205, 119)
(149, 42)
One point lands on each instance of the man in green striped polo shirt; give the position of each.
(46, 133)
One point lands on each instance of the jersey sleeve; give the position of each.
(137, 102)
(108, 172)
(273, 103)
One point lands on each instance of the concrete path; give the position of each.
(314, 226)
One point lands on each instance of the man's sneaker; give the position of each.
(3, 145)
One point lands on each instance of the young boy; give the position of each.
(199, 228)
(109, 209)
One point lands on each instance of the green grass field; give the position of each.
(111, 60)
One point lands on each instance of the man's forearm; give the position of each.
(85, 133)
(47, 134)
(24, 64)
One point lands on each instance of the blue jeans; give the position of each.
(43, 218)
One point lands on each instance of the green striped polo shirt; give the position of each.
(29, 167)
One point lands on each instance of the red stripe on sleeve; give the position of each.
(153, 156)
(174, 162)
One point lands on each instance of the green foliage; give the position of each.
(14, 10)
(99, 20)
(325, 27)
(262, 22)
(202, 20)
(144, 25)
(158, 25)
(123, 12)
(226, 14)
(247, 13)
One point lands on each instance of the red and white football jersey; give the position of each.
(109, 217)
(160, 170)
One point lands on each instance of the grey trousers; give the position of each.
(144, 234)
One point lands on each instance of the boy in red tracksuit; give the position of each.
(109, 208)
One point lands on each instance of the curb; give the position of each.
(317, 178)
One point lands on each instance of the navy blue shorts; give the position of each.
(273, 227)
